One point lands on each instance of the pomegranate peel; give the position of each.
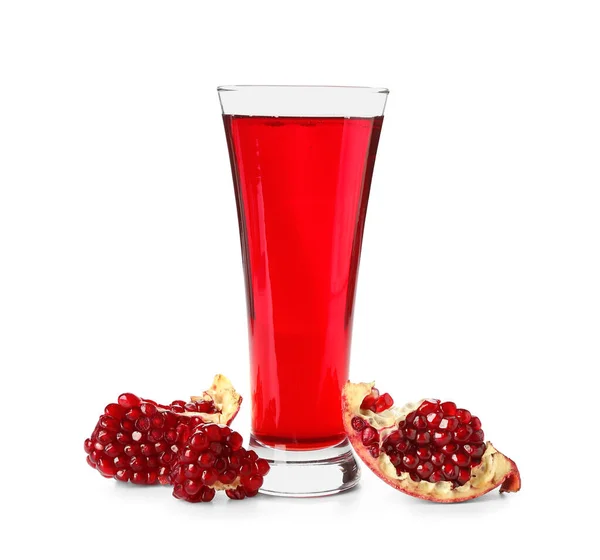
(226, 400)
(444, 464)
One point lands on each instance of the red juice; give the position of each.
(302, 187)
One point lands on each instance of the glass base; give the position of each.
(307, 474)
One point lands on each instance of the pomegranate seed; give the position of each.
(423, 438)
(160, 447)
(234, 440)
(425, 470)
(420, 422)
(462, 434)
(464, 416)
(245, 468)
(123, 438)
(192, 471)
(199, 441)
(171, 436)
(212, 432)
(128, 400)
(109, 423)
(410, 418)
(461, 459)
(253, 483)
(133, 414)
(263, 467)
(104, 437)
(395, 459)
(450, 471)
(192, 487)
(369, 435)
(106, 467)
(384, 402)
(148, 408)
(374, 451)
(207, 494)
(464, 475)
(474, 450)
(438, 458)
(369, 401)
(450, 448)
(227, 477)
(221, 464)
(137, 463)
(157, 421)
(358, 424)
(166, 458)
(113, 449)
(410, 433)
(127, 425)
(152, 477)
(402, 445)
(448, 408)
(216, 447)
(131, 450)
(147, 449)
(437, 476)
(441, 438)
(428, 406)
(121, 462)
(424, 453)
(449, 424)
(114, 410)
(123, 475)
(434, 419)
(477, 436)
(155, 435)
(410, 461)
(475, 423)
(209, 476)
(206, 459)
(236, 494)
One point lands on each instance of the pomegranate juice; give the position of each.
(302, 187)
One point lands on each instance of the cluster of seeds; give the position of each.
(436, 442)
(138, 440)
(213, 459)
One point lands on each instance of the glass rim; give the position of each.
(242, 87)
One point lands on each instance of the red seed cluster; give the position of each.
(213, 459)
(437, 442)
(377, 403)
(138, 440)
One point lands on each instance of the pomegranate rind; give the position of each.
(225, 399)
(495, 470)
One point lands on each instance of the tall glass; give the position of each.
(302, 160)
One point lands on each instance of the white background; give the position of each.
(121, 270)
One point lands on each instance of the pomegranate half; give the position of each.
(139, 440)
(430, 449)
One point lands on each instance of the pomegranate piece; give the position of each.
(138, 440)
(430, 450)
(213, 459)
